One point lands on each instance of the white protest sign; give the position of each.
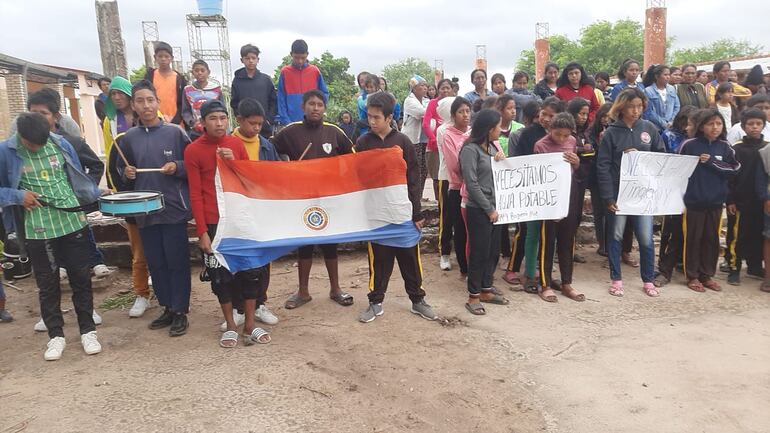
(532, 187)
(653, 183)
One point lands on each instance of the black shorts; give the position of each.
(329, 251)
(245, 285)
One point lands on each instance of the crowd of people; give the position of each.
(180, 129)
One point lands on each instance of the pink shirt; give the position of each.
(547, 145)
(453, 142)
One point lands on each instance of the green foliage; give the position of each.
(341, 84)
(137, 74)
(602, 47)
(721, 49)
(398, 75)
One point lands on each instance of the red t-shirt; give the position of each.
(200, 160)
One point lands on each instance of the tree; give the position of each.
(137, 74)
(602, 47)
(341, 84)
(721, 49)
(398, 75)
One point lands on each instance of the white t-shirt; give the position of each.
(663, 93)
(727, 113)
(442, 173)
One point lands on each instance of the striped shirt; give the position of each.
(43, 173)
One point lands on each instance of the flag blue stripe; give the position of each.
(243, 254)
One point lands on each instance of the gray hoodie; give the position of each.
(476, 167)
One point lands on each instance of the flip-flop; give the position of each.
(494, 290)
(712, 285)
(573, 294)
(544, 295)
(630, 261)
(229, 340)
(258, 335)
(556, 285)
(295, 301)
(342, 298)
(696, 286)
(765, 287)
(476, 309)
(497, 300)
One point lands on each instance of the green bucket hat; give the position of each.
(120, 84)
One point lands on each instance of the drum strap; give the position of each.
(87, 208)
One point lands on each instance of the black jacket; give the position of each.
(618, 137)
(707, 187)
(526, 143)
(742, 192)
(259, 87)
(371, 140)
(181, 81)
(542, 90)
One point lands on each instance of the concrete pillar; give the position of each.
(438, 75)
(654, 36)
(542, 56)
(481, 64)
(111, 44)
(92, 128)
(149, 54)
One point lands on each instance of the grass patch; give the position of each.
(118, 301)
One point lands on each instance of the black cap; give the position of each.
(212, 106)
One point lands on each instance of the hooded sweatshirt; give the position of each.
(566, 93)
(741, 185)
(200, 159)
(293, 82)
(152, 147)
(259, 87)
(708, 184)
(617, 139)
(444, 112)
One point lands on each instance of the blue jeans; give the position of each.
(642, 225)
(168, 258)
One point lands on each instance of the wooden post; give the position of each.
(111, 44)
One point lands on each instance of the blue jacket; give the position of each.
(292, 84)
(708, 184)
(267, 150)
(657, 112)
(10, 174)
(673, 139)
(617, 88)
(152, 147)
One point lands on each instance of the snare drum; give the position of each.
(131, 203)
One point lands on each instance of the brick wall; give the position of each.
(17, 94)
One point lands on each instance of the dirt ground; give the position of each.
(684, 362)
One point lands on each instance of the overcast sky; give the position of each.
(374, 34)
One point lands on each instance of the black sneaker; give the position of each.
(734, 278)
(179, 325)
(163, 321)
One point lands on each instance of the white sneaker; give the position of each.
(62, 274)
(445, 264)
(90, 343)
(101, 270)
(40, 326)
(265, 316)
(239, 319)
(140, 306)
(54, 349)
(97, 318)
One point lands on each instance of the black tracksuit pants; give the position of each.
(671, 243)
(749, 243)
(381, 259)
(484, 240)
(454, 218)
(701, 243)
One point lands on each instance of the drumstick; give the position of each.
(148, 170)
(120, 152)
(305, 152)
